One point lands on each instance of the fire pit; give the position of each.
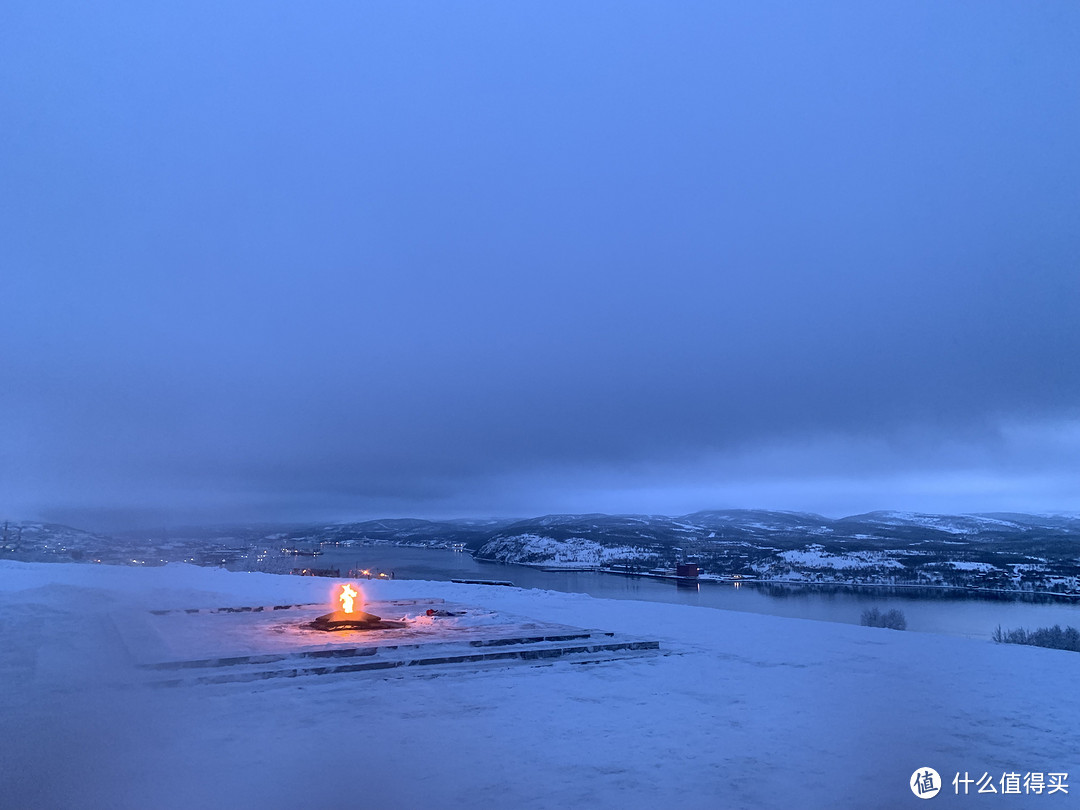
(349, 618)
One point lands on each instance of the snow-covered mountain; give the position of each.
(872, 529)
(1000, 550)
(1011, 552)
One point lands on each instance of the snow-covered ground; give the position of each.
(745, 711)
(961, 565)
(817, 557)
(574, 551)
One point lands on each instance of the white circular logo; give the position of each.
(925, 783)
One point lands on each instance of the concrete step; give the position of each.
(359, 651)
(588, 647)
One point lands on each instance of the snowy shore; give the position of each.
(744, 710)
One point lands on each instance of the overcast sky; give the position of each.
(266, 261)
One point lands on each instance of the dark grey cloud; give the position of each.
(422, 259)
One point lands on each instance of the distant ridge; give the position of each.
(1005, 551)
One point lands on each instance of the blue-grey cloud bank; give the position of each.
(276, 261)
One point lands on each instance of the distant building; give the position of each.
(686, 571)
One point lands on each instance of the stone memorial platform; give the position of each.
(250, 643)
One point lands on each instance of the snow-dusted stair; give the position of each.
(580, 648)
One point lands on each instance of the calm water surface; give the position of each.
(928, 610)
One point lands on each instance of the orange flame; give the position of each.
(347, 595)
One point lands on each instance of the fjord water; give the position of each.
(930, 610)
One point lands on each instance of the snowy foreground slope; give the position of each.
(744, 711)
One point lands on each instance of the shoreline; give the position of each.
(973, 590)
